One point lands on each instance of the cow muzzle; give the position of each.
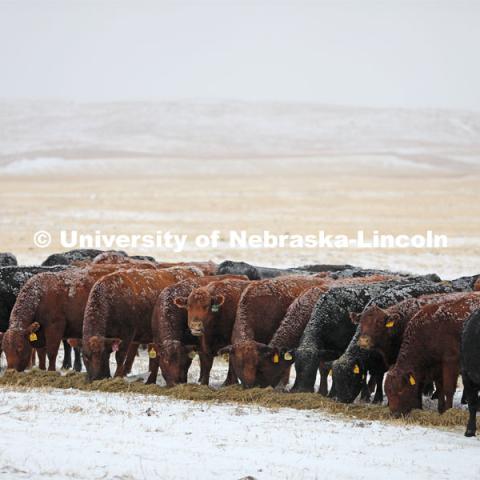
(196, 328)
(365, 341)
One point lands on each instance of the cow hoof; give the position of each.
(470, 433)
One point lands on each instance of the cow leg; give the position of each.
(32, 358)
(120, 357)
(232, 378)
(450, 375)
(441, 395)
(42, 358)
(77, 364)
(52, 352)
(206, 362)
(365, 391)
(67, 355)
(471, 394)
(285, 377)
(131, 354)
(378, 397)
(323, 389)
(153, 366)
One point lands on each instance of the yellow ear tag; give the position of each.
(152, 353)
(356, 369)
(287, 356)
(192, 355)
(330, 373)
(226, 357)
(32, 337)
(390, 324)
(411, 379)
(275, 358)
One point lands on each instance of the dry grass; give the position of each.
(267, 397)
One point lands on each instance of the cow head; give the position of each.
(17, 345)
(202, 308)
(257, 364)
(96, 352)
(348, 375)
(376, 328)
(402, 389)
(174, 359)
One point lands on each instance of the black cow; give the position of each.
(470, 358)
(72, 256)
(8, 260)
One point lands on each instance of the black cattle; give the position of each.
(464, 284)
(80, 255)
(470, 360)
(8, 260)
(256, 273)
(349, 372)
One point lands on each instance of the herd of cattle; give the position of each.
(355, 324)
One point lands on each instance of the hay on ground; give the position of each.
(265, 397)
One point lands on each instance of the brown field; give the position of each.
(296, 196)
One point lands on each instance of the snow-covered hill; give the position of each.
(41, 135)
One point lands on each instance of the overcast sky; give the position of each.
(385, 53)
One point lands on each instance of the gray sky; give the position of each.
(386, 53)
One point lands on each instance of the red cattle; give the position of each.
(382, 329)
(119, 312)
(49, 308)
(211, 315)
(173, 345)
(430, 351)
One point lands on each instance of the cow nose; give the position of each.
(364, 341)
(196, 328)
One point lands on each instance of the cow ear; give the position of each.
(180, 302)
(33, 327)
(412, 381)
(75, 342)
(114, 343)
(355, 317)
(391, 320)
(288, 355)
(218, 300)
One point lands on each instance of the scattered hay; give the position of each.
(265, 397)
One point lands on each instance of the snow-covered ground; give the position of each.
(70, 434)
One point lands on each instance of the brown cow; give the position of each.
(211, 315)
(119, 311)
(173, 345)
(382, 329)
(207, 268)
(430, 351)
(49, 307)
(262, 306)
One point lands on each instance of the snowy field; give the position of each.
(70, 434)
(52, 433)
